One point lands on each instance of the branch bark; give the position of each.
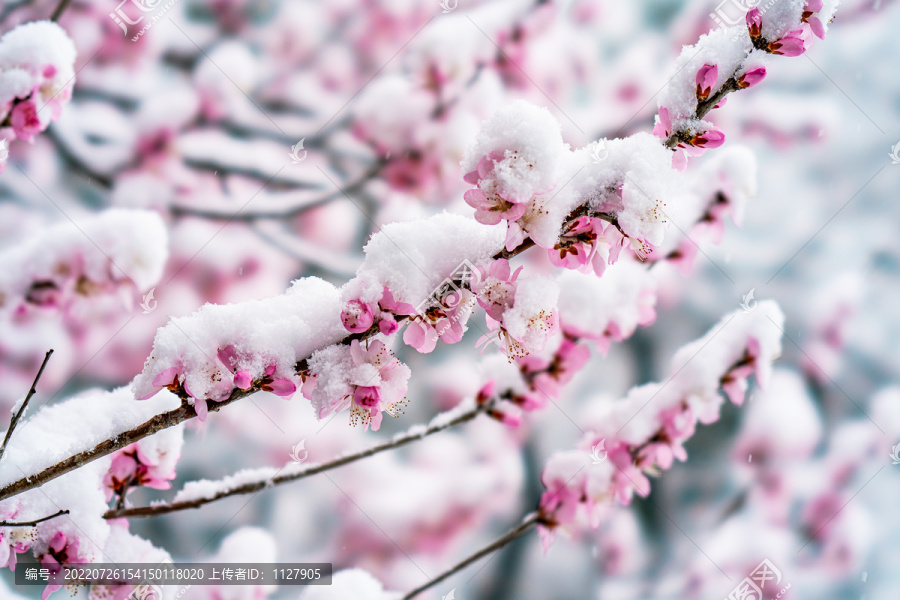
(255, 486)
(21, 411)
(522, 528)
(32, 523)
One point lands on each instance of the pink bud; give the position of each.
(706, 79)
(357, 316)
(754, 23)
(752, 77)
(789, 45)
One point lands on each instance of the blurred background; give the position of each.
(274, 137)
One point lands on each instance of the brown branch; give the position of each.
(525, 526)
(255, 486)
(60, 9)
(703, 107)
(32, 523)
(21, 411)
(206, 213)
(157, 423)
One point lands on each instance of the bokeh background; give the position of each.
(200, 121)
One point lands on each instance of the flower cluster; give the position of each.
(644, 433)
(36, 75)
(149, 462)
(358, 316)
(367, 379)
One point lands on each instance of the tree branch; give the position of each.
(527, 523)
(21, 411)
(255, 486)
(32, 523)
(60, 9)
(157, 423)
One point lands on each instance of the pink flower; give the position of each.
(789, 45)
(706, 80)
(357, 316)
(490, 206)
(61, 550)
(382, 393)
(577, 246)
(495, 287)
(277, 385)
(752, 77)
(734, 383)
(24, 120)
(13, 540)
(815, 24)
(388, 308)
(445, 319)
(663, 127)
(131, 467)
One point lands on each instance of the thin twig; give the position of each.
(527, 523)
(255, 486)
(60, 9)
(32, 523)
(21, 411)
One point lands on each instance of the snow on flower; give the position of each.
(608, 309)
(36, 76)
(366, 378)
(529, 321)
(646, 431)
(104, 254)
(219, 349)
(149, 462)
(495, 287)
(351, 583)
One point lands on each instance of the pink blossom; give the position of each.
(131, 467)
(388, 308)
(815, 23)
(711, 138)
(577, 246)
(444, 319)
(61, 550)
(789, 45)
(663, 127)
(706, 80)
(357, 316)
(490, 206)
(384, 394)
(752, 77)
(13, 540)
(24, 120)
(495, 287)
(277, 385)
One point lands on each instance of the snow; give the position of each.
(625, 296)
(56, 432)
(413, 259)
(111, 247)
(272, 331)
(205, 489)
(24, 53)
(350, 583)
(530, 320)
(529, 138)
(727, 48)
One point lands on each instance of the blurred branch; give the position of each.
(32, 523)
(268, 482)
(60, 9)
(21, 411)
(522, 528)
(370, 174)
